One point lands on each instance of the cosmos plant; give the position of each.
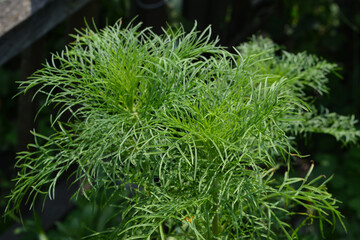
(185, 139)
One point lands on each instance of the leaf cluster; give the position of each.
(183, 137)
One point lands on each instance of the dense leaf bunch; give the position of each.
(183, 137)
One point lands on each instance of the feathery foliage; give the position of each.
(200, 131)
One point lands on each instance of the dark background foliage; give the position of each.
(327, 28)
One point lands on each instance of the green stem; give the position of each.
(215, 222)
(161, 230)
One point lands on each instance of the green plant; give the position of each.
(203, 133)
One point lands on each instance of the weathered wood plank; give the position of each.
(44, 16)
(12, 12)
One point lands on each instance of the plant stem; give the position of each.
(161, 230)
(215, 222)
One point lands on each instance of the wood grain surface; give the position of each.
(12, 12)
(25, 21)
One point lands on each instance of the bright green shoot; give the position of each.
(202, 131)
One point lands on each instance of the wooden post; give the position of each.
(31, 60)
(151, 12)
(88, 13)
(209, 12)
